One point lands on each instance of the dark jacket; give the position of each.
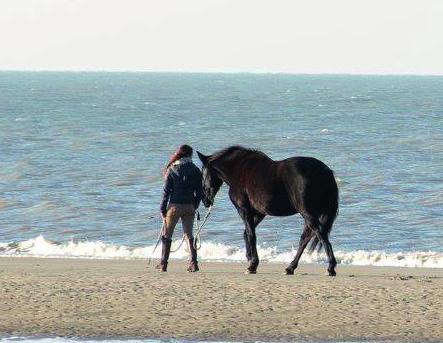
(183, 185)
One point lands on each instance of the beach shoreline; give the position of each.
(123, 299)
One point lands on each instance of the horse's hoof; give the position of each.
(250, 271)
(289, 272)
(332, 273)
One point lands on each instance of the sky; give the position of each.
(272, 36)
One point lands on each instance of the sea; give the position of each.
(81, 158)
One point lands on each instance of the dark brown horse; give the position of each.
(260, 186)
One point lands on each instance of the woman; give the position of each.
(183, 191)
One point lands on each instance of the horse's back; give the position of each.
(311, 184)
(305, 164)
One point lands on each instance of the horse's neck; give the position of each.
(224, 174)
(225, 169)
(228, 168)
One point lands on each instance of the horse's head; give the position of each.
(211, 181)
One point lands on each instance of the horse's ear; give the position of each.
(202, 158)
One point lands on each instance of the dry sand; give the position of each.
(122, 299)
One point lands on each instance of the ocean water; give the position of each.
(81, 157)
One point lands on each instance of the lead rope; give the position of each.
(158, 241)
(200, 228)
(197, 235)
(179, 246)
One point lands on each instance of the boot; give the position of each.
(166, 249)
(193, 265)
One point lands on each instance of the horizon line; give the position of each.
(216, 72)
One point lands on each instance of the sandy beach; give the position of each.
(123, 299)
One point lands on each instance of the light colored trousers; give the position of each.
(186, 213)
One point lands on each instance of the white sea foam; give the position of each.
(210, 251)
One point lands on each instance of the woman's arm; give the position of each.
(198, 189)
(167, 190)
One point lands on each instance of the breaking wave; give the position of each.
(210, 251)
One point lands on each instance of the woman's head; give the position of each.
(182, 152)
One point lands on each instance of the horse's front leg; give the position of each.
(252, 242)
(248, 247)
(251, 221)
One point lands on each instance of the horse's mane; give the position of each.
(235, 151)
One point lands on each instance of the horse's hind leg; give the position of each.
(326, 225)
(330, 253)
(322, 236)
(304, 240)
(324, 240)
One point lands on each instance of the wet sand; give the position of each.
(126, 299)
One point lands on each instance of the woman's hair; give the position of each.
(183, 151)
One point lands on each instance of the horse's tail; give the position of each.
(330, 212)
